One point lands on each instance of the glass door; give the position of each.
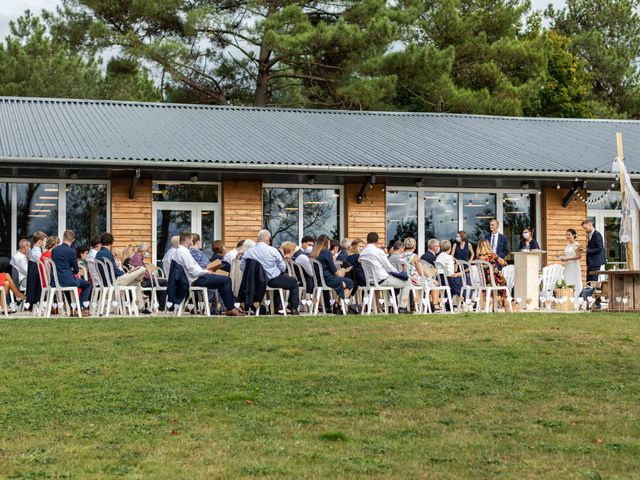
(607, 222)
(172, 218)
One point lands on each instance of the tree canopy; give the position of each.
(464, 56)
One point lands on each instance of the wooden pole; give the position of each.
(623, 191)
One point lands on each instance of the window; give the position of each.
(5, 220)
(86, 211)
(605, 201)
(52, 207)
(185, 192)
(519, 213)
(290, 213)
(402, 215)
(477, 211)
(440, 216)
(36, 209)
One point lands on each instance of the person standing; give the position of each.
(528, 242)
(462, 249)
(65, 259)
(497, 241)
(571, 262)
(594, 252)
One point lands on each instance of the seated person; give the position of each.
(38, 240)
(357, 274)
(333, 277)
(433, 247)
(81, 253)
(168, 256)
(6, 282)
(383, 270)
(449, 265)
(20, 262)
(345, 244)
(65, 259)
(219, 250)
(274, 268)
(200, 277)
(398, 253)
(137, 260)
(132, 278)
(233, 253)
(95, 247)
(485, 253)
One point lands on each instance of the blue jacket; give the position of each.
(106, 253)
(595, 251)
(533, 245)
(66, 261)
(503, 246)
(429, 256)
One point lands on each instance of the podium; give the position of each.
(527, 273)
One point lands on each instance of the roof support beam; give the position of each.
(362, 194)
(573, 191)
(134, 184)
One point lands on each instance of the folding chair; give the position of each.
(388, 293)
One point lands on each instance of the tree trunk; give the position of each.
(262, 82)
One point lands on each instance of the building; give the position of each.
(147, 171)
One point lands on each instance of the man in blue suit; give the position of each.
(595, 250)
(498, 241)
(66, 261)
(433, 247)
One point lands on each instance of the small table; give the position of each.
(624, 284)
(527, 276)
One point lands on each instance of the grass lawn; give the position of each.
(464, 396)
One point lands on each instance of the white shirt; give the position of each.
(183, 257)
(380, 262)
(36, 253)
(230, 256)
(166, 261)
(304, 262)
(92, 254)
(447, 262)
(20, 262)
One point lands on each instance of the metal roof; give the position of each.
(110, 133)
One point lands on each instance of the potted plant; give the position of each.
(564, 294)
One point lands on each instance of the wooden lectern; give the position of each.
(527, 273)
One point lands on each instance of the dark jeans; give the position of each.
(286, 283)
(591, 268)
(219, 282)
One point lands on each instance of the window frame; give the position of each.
(62, 201)
(303, 186)
(499, 193)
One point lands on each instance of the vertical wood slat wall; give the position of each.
(368, 216)
(131, 218)
(241, 211)
(556, 221)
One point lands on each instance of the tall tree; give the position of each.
(469, 56)
(606, 35)
(34, 63)
(284, 51)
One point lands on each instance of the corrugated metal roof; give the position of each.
(35, 128)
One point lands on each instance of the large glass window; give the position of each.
(86, 207)
(290, 213)
(185, 192)
(519, 213)
(605, 201)
(440, 216)
(402, 215)
(477, 211)
(5, 220)
(168, 224)
(36, 209)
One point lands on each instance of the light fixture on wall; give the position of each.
(419, 183)
(73, 175)
(194, 178)
(525, 185)
(558, 186)
(311, 180)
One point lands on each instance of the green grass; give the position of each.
(468, 396)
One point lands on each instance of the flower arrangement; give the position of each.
(561, 284)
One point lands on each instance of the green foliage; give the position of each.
(34, 63)
(526, 396)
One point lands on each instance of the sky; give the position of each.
(11, 9)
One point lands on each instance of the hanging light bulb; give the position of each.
(558, 186)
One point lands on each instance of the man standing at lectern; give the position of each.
(595, 250)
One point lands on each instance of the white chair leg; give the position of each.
(205, 302)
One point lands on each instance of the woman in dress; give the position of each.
(445, 259)
(333, 277)
(571, 262)
(528, 242)
(462, 249)
(485, 253)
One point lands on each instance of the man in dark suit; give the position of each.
(498, 241)
(433, 247)
(66, 261)
(595, 250)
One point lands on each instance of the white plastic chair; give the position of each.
(321, 287)
(431, 273)
(296, 271)
(509, 273)
(59, 293)
(388, 293)
(202, 308)
(490, 288)
(418, 292)
(551, 274)
(121, 297)
(98, 289)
